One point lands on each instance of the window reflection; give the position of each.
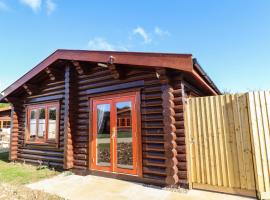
(103, 135)
(124, 135)
(52, 123)
(41, 122)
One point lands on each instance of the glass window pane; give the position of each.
(33, 124)
(41, 122)
(103, 135)
(6, 124)
(124, 136)
(52, 127)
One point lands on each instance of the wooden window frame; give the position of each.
(45, 139)
(137, 146)
(5, 121)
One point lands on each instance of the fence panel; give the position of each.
(259, 110)
(220, 150)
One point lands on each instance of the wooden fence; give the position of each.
(229, 143)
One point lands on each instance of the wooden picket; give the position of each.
(228, 143)
(259, 110)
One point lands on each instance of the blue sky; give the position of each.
(230, 38)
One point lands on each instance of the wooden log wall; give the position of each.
(182, 89)
(162, 120)
(69, 113)
(170, 135)
(49, 90)
(154, 168)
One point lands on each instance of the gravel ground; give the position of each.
(10, 192)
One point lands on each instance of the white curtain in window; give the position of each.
(100, 116)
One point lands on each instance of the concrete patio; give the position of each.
(99, 188)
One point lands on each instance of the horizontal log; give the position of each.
(169, 128)
(154, 89)
(151, 96)
(172, 180)
(152, 141)
(80, 157)
(180, 132)
(153, 156)
(177, 92)
(170, 153)
(181, 157)
(170, 145)
(172, 171)
(80, 162)
(152, 125)
(152, 149)
(169, 137)
(156, 171)
(41, 152)
(182, 166)
(180, 140)
(168, 119)
(151, 103)
(147, 111)
(80, 150)
(178, 108)
(182, 174)
(153, 164)
(42, 158)
(181, 149)
(36, 162)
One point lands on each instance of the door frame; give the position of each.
(106, 97)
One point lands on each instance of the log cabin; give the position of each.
(113, 114)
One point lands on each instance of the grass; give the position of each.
(19, 174)
(13, 176)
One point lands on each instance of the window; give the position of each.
(123, 122)
(6, 124)
(42, 123)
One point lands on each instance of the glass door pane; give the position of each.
(124, 135)
(103, 135)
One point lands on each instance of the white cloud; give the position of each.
(33, 4)
(141, 32)
(99, 43)
(161, 32)
(3, 6)
(51, 6)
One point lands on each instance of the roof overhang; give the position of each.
(182, 62)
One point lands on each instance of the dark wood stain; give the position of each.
(162, 128)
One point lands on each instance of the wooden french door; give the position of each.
(114, 144)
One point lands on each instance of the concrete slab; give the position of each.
(100, 188)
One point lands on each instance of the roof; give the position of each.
(182, 62)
